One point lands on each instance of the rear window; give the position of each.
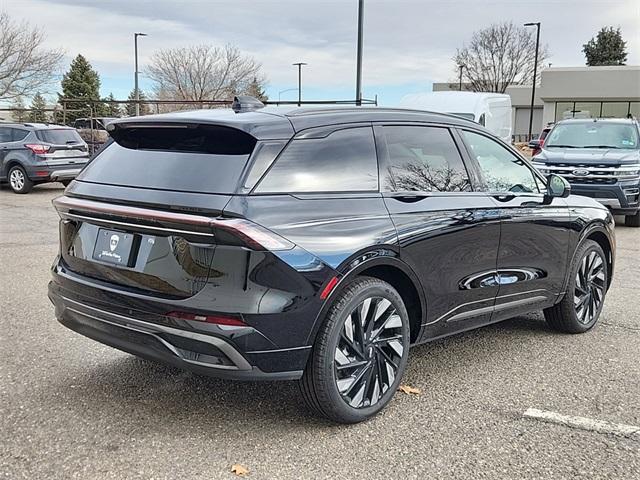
(201, 158)
(59, 136)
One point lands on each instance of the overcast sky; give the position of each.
(408, 44)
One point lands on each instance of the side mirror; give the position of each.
(534, 143)
(558, 186)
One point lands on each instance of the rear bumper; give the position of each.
(177, 345)
(54, 173)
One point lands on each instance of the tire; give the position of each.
(581, 306)
(18, 180)
(348, 377)
(632, 220)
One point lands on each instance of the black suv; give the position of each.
(600, 158)
(32, 153)
(318, 244)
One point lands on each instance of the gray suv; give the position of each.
(32, 153)
(600, 158)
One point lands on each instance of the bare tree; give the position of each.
(498, 56)
(25, 66)
(202, 72)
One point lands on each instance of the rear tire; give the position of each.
(632, 220)
(581, 306)
(360, 353)
(18, 180)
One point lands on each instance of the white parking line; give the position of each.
(583, 423)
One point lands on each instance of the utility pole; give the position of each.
(359, 53)
(299, 64)
(535, 71)
(136, 89)
(460, 82)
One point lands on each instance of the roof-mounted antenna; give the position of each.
(246, 103)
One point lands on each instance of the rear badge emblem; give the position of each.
(113, 244)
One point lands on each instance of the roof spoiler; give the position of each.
(246, 103)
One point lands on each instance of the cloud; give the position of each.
(407, 42)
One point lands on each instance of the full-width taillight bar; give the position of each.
(252, 233)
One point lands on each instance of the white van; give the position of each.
(492, 110)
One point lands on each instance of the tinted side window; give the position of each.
(343, 161)
(423, 159)
(503, 171)
(5, 135)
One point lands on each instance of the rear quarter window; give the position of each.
(343, 161)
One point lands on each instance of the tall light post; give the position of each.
(460, 82)
(359, 53)
(299, 64)
(535, 71)
(136, 89)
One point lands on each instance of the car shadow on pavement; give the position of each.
(150, 393)
(161, 394)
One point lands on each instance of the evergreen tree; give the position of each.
(130, 108)
(18, 106)
(81, 82)
(37, 113)
(255, 88)
(112, 109)
(606, 48)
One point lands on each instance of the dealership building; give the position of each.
(574, 92)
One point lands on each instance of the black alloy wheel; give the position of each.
(580, 308)
(369, 351)
(589, 287)
(360, 352)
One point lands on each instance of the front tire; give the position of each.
(18, 180)
(632, 220)
(360, 353)
(581, 306)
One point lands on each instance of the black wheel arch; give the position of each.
(10, 163)
(599, 233)
(384, 264)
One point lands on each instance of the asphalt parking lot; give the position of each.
(72, 408)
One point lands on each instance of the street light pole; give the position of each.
(460, 82)
(135, 88)
(535, 71)
(284, 91)
(359, 53)
(299, 64)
